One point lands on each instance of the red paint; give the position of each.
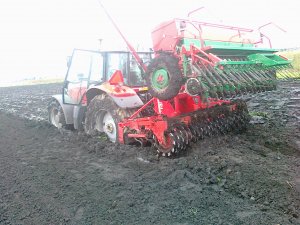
(77, 94)
(178, 108)
(124, 94)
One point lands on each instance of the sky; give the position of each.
(36, 36)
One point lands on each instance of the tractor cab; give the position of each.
(87, 69)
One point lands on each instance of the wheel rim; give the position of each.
(54, 117)
(160, 79)
(109, 127)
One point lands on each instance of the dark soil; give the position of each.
(50, 176)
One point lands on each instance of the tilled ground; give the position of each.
(49, 176)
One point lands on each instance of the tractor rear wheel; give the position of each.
(103, 115)
(164, 78)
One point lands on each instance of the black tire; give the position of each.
(56, 115)
(168, 63)
(100, 107)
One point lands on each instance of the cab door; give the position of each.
(85, 68)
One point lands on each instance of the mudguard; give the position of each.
(123, 96)
(78, 116)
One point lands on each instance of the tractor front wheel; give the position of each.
(103, 115)
(56, 114)
(164, 78)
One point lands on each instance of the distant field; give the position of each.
(31, 82)
(293, 55)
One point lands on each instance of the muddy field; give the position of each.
(50, 176)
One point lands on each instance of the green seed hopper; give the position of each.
(215, 60)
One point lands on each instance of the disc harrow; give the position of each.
(210, 122)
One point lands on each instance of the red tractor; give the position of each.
(173, 96)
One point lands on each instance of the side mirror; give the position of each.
(69, 59)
